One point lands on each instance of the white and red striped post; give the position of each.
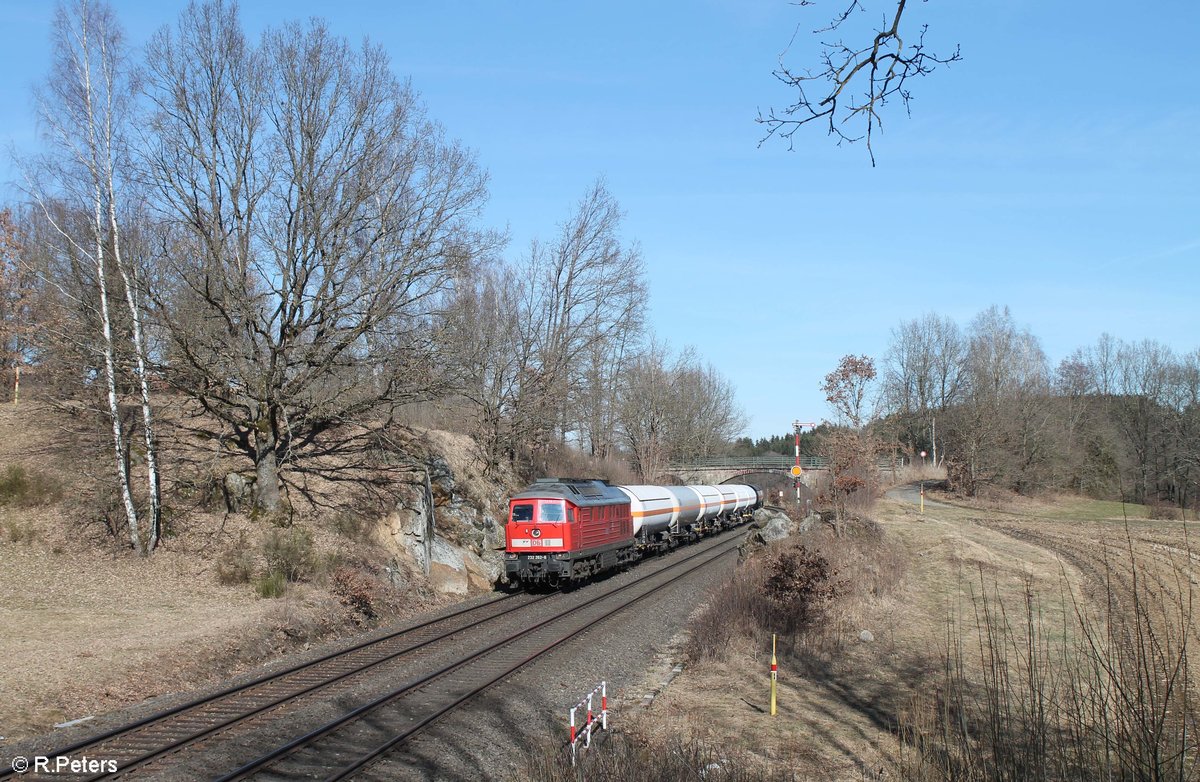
(587, 742)
(796, 472)
(797, 425)
(586, 733)
(573, 708)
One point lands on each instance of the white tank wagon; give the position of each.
(664, 516)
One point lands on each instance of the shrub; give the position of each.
(272, 584)
(27, 488)
(357, 590)
(235, 566)
(798, 582)
(289, 552)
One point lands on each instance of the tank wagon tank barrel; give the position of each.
(565, 530)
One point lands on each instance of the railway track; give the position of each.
(464, 653)
(144, 741)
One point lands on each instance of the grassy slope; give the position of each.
(88, 627)
(841, 699)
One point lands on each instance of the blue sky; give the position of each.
(1054, 170)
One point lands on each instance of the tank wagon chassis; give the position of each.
(561, 531)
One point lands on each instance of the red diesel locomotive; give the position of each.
(562, 530)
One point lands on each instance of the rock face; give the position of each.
(466, 550)
(772, 525)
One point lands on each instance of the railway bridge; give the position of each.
(723, 469)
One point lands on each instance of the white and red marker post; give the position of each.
(586, 734)
(774, 674)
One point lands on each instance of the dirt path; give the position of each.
(910, 493)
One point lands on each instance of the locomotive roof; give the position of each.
(582, 492)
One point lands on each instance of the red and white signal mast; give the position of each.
(797, 471)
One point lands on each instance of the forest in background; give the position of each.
(1113, 420)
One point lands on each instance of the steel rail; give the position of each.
(266, 679)
(315, 735)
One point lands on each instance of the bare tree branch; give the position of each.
(854, 81)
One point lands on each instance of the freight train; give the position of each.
(561, 531)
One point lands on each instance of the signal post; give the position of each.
(797, 470)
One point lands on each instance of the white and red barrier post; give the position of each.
(589, 726)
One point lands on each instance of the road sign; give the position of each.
(796, 470)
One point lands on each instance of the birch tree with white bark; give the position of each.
(85, 109)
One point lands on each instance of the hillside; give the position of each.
(90, 627)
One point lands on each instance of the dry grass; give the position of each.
(1097, 684)
(634, 755)
(85, 633)
(89, 627)
(971, 608)
(835, 691)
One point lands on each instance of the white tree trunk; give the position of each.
(98, 226)
(139, 352)
(135, 536)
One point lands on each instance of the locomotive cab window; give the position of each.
(551, 511)
(522, 512)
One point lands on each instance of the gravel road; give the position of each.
(911, 493)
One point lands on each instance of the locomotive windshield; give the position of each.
(522, 512)
(551, 511)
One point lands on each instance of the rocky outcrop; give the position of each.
(771, 525)
(466, 549)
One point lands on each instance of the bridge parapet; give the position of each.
(719, 469)
(752, 462)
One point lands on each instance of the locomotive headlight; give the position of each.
(510, 555)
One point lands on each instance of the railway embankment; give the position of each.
(91, 628)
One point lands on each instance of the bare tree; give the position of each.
(923, 376)
(583, 304)
(645, 412)
(850, 446)
(317, 218)
(1139, 407)
(707, 415)
(24, 310)
(485, 352)
(855, 79)
(85, 108)
(674, 409)
(1000, 432)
